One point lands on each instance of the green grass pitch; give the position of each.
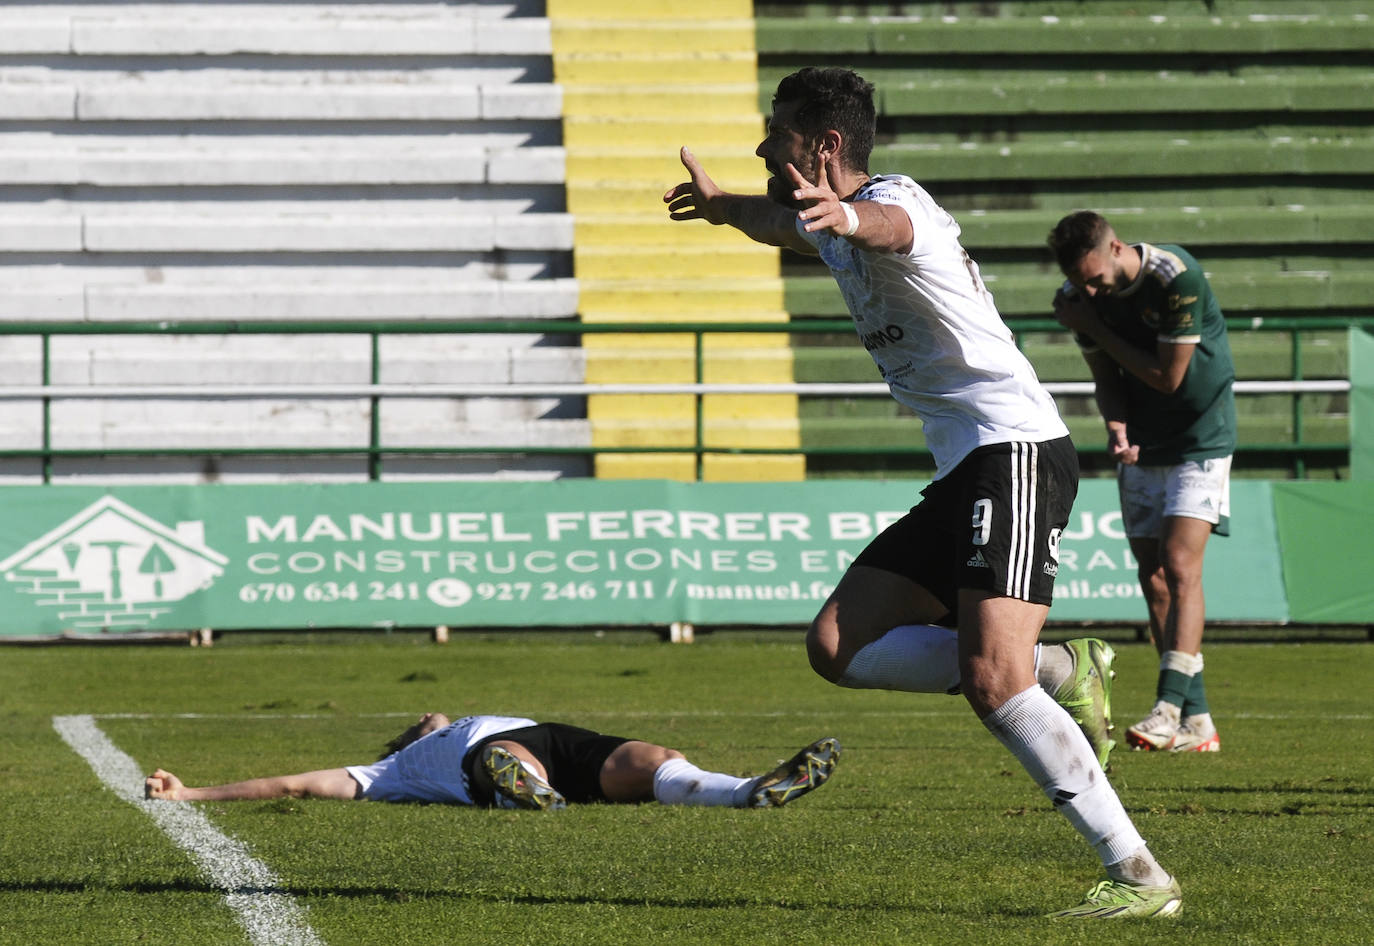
(928, 832)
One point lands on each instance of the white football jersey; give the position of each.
(431, 769)
(932, 328)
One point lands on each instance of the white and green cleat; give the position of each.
(1087, 693)
(1113, 899)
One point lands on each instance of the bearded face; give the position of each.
(783, 146)
(781, 187)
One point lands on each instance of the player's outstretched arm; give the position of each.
(325, 783)
(757, 217)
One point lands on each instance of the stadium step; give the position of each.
(243, 227)
(42, 158)
(279, 29)
(441, 95)
(256, 293)
(1062, 35)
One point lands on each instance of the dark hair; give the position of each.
(1076, 236)
(395, 745)
(833, 98)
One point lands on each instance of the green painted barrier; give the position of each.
(1326, 531)
(570, 553)
(1361, 405)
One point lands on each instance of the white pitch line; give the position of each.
(270, 916)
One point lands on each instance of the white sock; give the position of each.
(917, 658)
(924, 658)
(1140, 869)
(1184, 663)
(1200, 723)
(1051, 747)
(679, 782)
(1168, 710)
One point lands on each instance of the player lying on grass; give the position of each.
(512, 762)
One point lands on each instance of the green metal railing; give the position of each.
(46, 392)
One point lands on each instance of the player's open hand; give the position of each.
(694, 199)
(823, 208)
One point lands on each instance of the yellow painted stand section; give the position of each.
(640, 80)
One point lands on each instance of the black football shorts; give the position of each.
(992, 524)
(572, 757)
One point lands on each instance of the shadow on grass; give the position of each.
(1289, 788)
(407, 895)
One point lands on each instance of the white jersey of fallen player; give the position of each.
(431, 769)
(930, 324)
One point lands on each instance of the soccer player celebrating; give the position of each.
(1155, 340)
(980, 550)
(513, 762)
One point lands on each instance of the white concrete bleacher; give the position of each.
(286, 162)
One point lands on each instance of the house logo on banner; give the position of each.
(112, 567)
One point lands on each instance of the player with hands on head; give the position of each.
(979, 552)
(514, 762)
(1154, 338)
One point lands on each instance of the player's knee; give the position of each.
(637, 757)
(1153, 583)
(628, 773)
(1182, 570)
(823, 651)
(983, 684)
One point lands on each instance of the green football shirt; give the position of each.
(1172, 301)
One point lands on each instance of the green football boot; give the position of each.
(1087, 693)
(1112, 899)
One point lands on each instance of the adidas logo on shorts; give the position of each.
(978, 561)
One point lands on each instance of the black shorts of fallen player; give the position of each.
(572, 757)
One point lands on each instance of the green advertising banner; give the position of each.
(567, 553)
(1242, 573)
(1326, 531)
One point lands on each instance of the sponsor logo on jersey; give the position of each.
(887, 335)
